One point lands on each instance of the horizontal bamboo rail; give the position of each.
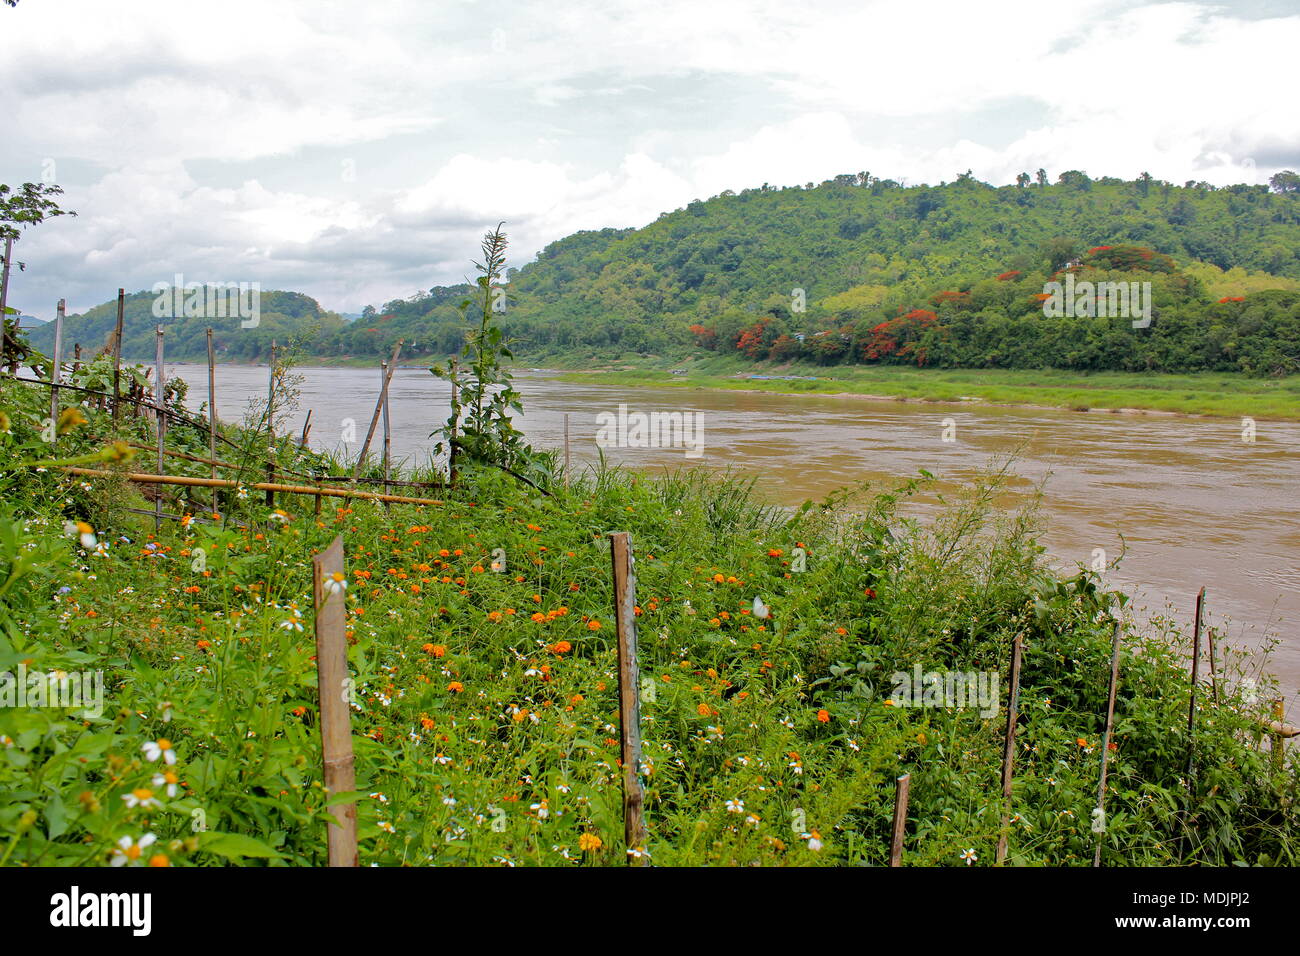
(146, 479)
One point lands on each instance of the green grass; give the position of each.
(1210, 393)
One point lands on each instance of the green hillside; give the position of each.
(862, 270)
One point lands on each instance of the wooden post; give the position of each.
(383, 373)
(56, 369)
(117, 353)
(379, 407)
(1105, 736)
(306, 430)
(334, 688)
(1196, 668)
(162, 423)
(270, 393)
(76, 357)
(4, 300)
(902, 793)
(566, 449)
(451, 450)
(629, 680)
(1009, 749)
(212, 414)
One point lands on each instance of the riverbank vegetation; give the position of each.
(482, 649)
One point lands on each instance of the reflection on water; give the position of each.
(1193, 503)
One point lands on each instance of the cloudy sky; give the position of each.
(357, 151)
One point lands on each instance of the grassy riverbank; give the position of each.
(483, 651)
(1201, 394)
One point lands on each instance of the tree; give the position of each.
(1022, 180)
(1287, 181)
(1042, 177)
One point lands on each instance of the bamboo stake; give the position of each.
(902, 794)
(1196, 667)
(56, 371)
(451, 450)
(566, 449)
(4, 299)
(306, 430)
(159, 402)
(629, 709)
(1214, 666)
(1009, 749)
(270, 393)
(1105, 738)
(212, 413)
(379, 405)
(383, 373)
(334, 690)
(147, 479)
(76, 357)
(117, 352)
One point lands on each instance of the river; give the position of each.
(1194, 502)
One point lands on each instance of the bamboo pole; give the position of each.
(383, 374)
(451, 448)
(160, 404)
(147, 479)
(212, 413)
(902, 794)
(379, 405)
(1009, 749)
(56, 370)
(1196, 668)
(4, 300)
(1105, 738)
(334, 690)
(629, 682)
(1214, 664)
(76, 357)
(566, 449)
(270, 392)
(117, 352)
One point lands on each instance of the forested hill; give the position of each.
(814, 273)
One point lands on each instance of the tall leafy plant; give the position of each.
(480, 430)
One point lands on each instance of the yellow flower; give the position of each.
(589, 843)
(69, 419)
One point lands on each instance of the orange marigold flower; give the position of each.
(774, 552)
(824, 716)
(561, 647)
(593, 625)
(539, 616)
(704, 710)
(455, 687)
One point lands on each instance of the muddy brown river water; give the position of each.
(1194, 502)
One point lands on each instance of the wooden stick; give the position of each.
(56, 371)
(1105, 737)
(160, 403)
(4, 299)
(147, 479)
(76, 357)
(270, 394)
(629, 682)
(902, 793)
(383, 373)
(566, 449)
(1196, 667)
(334, 688)
(212, 413)
(451, 450)
(306, 430)
(1009, 749)
(117, 352)
(379, 405)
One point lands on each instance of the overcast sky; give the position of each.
(357, 151)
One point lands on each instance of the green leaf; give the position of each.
(236, 845)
